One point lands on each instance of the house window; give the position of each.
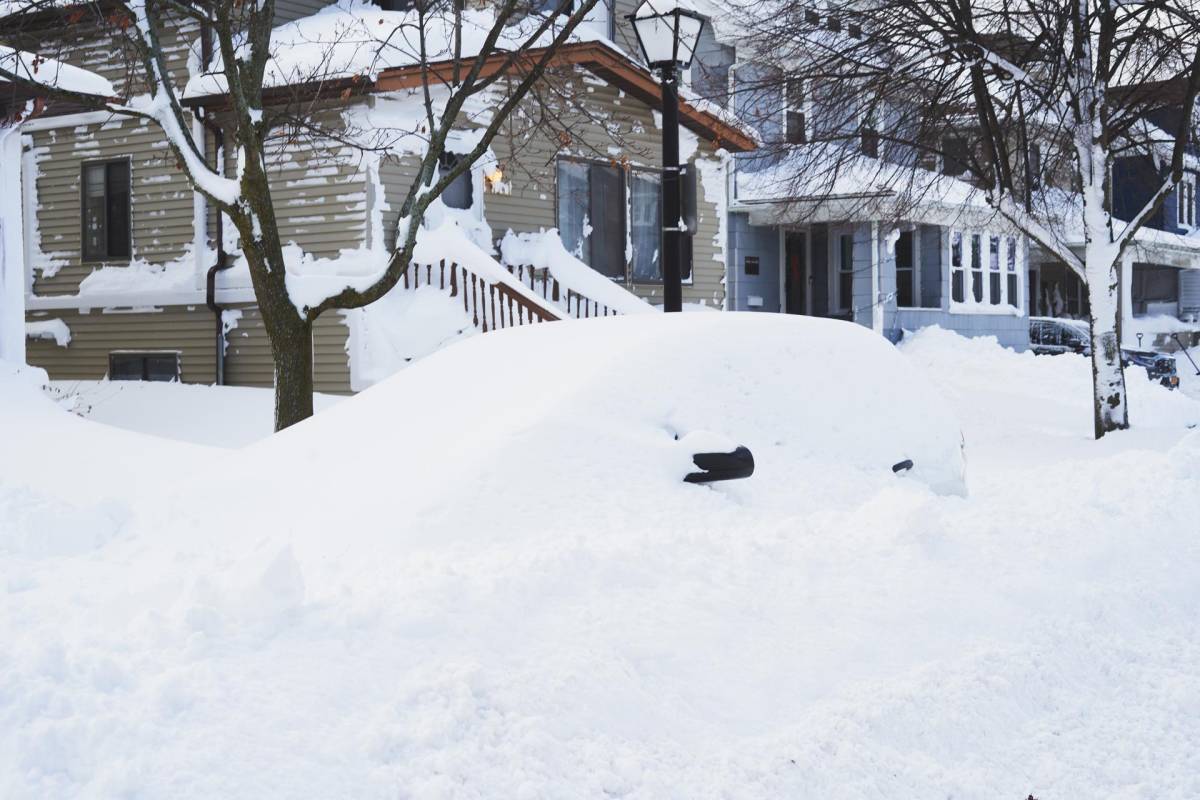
(143, 366)
(954, 155)
(977, 267)
(459, 194)
(868, 132)
(796, 112)
(905, 271)
(1186, 197)
(1010, 247)
(106, 214)
(645, 225)
(1035, 166)
(591, 214)
(994, 285)
(957, 275)
(396, 5)
(846, 273)
(751, 265)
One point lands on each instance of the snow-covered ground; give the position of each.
(508, 593)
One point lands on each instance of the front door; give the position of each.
(795, 247)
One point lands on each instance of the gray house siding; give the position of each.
(754, 292)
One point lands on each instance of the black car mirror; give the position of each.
(734, 465)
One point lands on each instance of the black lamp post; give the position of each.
(668, 31)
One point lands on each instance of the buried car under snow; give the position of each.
(623, 405)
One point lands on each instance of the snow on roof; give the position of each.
(354, 38)
(54, 74)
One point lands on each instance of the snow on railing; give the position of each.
(574, 304)
(540, 260)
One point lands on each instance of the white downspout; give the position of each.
(12, 250)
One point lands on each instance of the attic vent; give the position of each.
(835, 24)
(855, 30)
(812, 17)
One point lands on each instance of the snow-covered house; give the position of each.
(859, 235)
(119, 252)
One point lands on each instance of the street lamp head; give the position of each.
(668, 32)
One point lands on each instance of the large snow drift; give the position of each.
(506, 591)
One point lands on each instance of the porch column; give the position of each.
(12, 250)
(876, 286)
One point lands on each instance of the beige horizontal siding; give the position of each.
(160, 200)
(76, 37)
(248, 360)
(190, 330)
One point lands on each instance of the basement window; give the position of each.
(106, 213)
(158, 366)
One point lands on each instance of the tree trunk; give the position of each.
(292, 349)
(1110, 410)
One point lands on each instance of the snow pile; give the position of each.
(484, 578)
(51, 329)
(217, 416)
(544, 250)
(53, 74)
(403, 326)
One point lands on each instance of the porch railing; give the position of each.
(573, 304)
(491, 305)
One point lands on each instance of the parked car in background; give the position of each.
(1052, 336)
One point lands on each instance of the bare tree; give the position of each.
(500, 52)
(1033, 101)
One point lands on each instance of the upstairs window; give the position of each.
(954, 156)
(459, 194)
(1035, 167)
(795, 111)
(1186, 198)
(106, 212)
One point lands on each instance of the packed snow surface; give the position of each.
(483, 578)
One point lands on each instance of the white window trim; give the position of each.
(984, 306)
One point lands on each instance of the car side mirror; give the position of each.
(730, 466)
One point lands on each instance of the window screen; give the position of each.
(645, 214)
(591, 214)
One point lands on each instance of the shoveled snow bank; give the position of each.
(505, 591)
(218, 416)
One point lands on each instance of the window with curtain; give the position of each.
(591, 214)
(957, 274)
(846, 273)
(645, 226)
(106, 210)
(994, 286)
(1014, 298)
(977, 267)
(905, 271)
